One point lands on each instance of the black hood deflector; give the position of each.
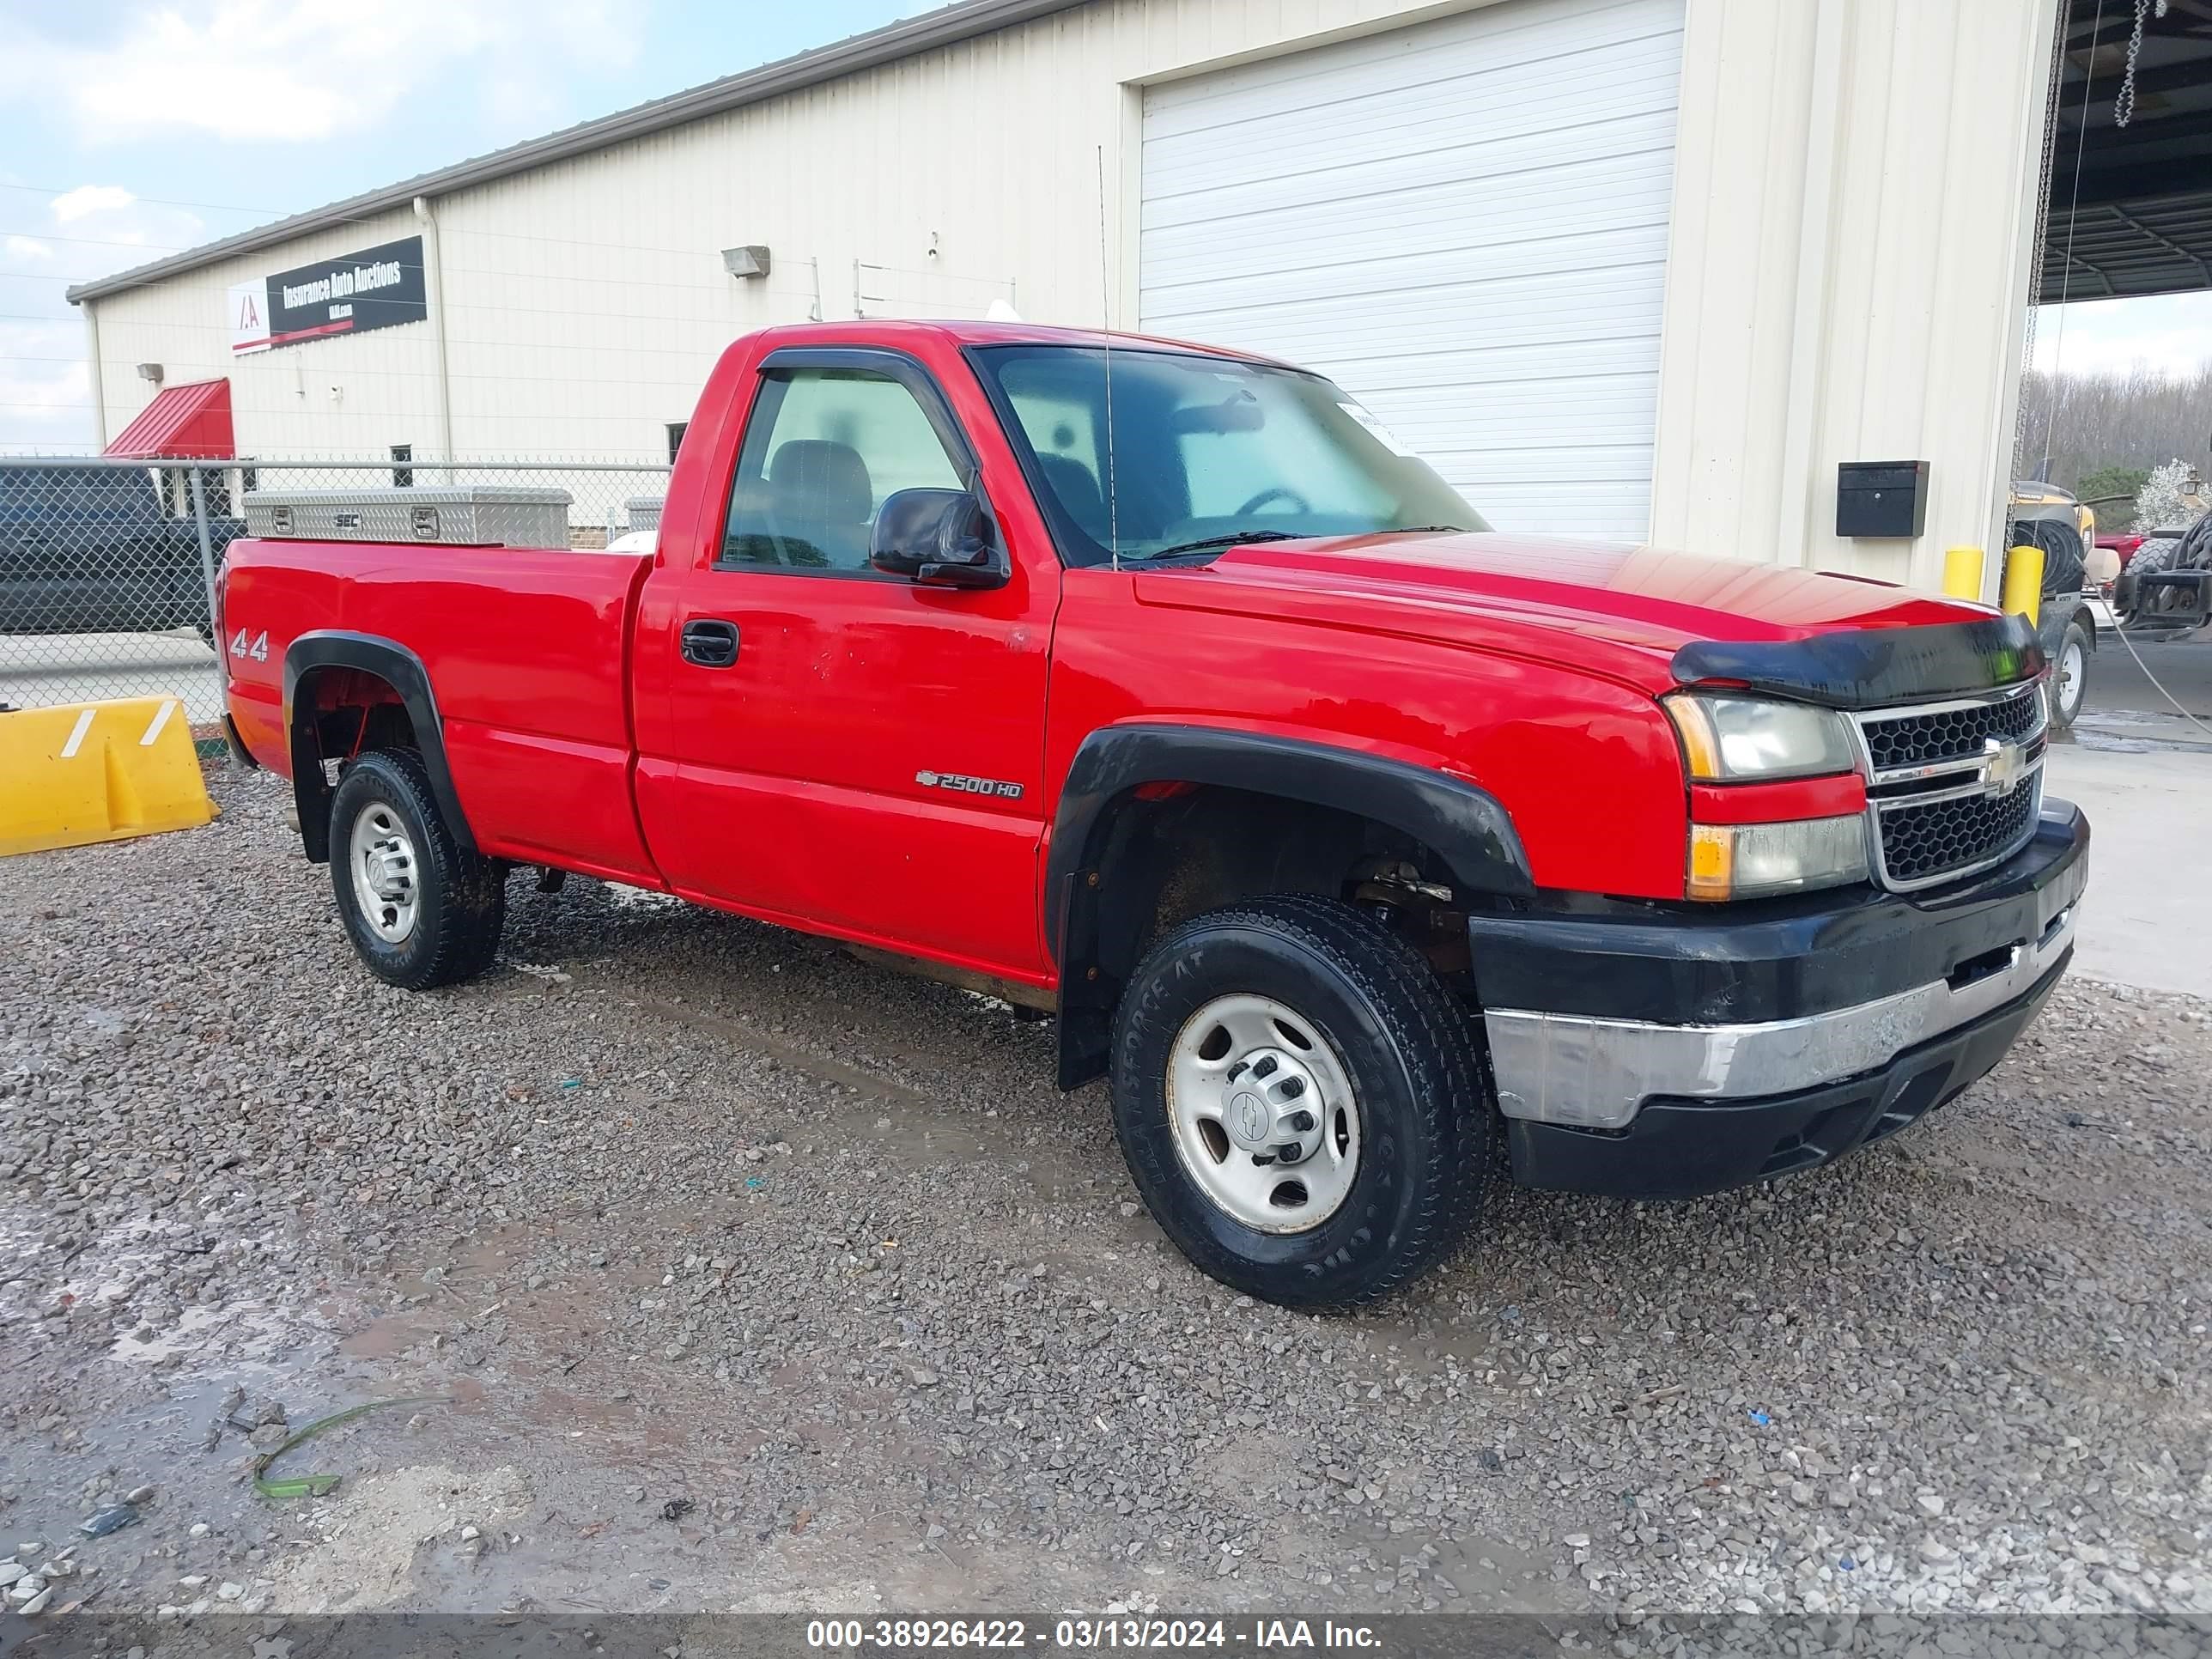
(1873, 668)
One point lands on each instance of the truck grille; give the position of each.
(1925, 842)
(1952, 787)
(1950, 734)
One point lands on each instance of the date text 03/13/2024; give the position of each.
(1080, 1634)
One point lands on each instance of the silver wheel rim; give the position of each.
(2070, 665)
(1263, 1114)
(383, 863)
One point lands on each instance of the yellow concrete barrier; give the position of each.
(1962, 572)
(2023, 582)
(97, 771)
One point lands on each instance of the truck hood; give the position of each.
(1622, 609)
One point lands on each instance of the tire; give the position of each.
(459, 899)
(2064, 556)
(2070, 676)
(2151, 557)
(1381, 1031)
(2155, 553)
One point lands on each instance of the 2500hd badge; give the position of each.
(959, 785)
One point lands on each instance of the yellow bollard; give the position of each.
(1962, 572)
(2023, 582)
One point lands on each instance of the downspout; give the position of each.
(1824, 160)
(99, 382)
(433, 272)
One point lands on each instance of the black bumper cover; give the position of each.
(1693, 964)
(1688, 1148)
(1680, 965)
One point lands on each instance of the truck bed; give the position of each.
(526, 648)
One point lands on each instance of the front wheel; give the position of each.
(1301, 1101)
(420, 909)
(2070, 680)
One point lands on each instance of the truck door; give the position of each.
(825, 745)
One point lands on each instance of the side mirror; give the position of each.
(940, 537)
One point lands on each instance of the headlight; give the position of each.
(1729, 740)
(1757, 860)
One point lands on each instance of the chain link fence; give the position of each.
(107, 567)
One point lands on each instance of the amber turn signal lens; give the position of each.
(1712, 861)
(1701, 748)
(1758, 861)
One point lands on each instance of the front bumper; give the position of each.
(1686, 1148)
(1666, 1053)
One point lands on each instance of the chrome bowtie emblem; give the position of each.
(2003, 769)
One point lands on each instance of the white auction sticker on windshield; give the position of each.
(1382, 433)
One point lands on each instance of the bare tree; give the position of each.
(2073, 424)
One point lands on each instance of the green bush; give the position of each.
(2126, 481)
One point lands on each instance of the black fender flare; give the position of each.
(1466, 826)
(401, 669)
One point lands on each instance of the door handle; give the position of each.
(709, 642)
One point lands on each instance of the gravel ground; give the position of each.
(744, 1275)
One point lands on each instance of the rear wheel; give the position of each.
(2070, 679)
(1301, 1101)
(420, 909)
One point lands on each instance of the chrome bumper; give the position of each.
(1596, 1073)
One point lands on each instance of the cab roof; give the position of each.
(964, 331)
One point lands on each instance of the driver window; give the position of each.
(823, 447)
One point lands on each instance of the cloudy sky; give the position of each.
(131, 128)
(2100, 336)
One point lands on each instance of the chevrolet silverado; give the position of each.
(1372, 855)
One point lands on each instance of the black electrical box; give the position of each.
(1881, 498)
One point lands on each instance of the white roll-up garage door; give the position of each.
(1463, 222)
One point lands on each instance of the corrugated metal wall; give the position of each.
(333, 397)
(1851, 214)
(1854, 204)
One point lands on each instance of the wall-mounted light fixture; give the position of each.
(150, 372)
(743, 263)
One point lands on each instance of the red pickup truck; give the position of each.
(1373, 856)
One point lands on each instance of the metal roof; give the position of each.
(2129, 211)
(186, 421)
(904, 39)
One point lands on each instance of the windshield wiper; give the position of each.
(1234, 539)
(1420, 529)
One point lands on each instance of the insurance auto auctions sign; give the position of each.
(377, 288)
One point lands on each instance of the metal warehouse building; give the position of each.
(1636, 267)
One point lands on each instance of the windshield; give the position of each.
(1207, 452)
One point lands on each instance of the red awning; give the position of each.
(183, 422)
